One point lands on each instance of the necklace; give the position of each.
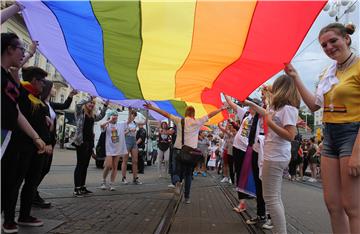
(342, 66)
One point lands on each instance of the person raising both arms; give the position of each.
(338, 92)
(191, 131)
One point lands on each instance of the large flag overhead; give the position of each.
(173, 53)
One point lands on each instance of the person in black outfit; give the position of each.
(12, 55)
(31, 162)
(84, 141)
(51, 107)
(140, 141)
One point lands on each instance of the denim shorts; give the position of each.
(339, 139)
(130, 143)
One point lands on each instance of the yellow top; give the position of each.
(342, 102)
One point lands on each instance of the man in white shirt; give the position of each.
(191, 131)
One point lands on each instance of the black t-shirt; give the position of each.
(141, 133)
(9, 100)
(88, 134)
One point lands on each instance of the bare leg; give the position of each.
(330, 170)
(350, 187)
(134, 161)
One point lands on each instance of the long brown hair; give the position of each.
(284, 92)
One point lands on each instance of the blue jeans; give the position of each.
(182, 171)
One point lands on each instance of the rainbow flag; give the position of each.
(173, 53)
(246, 182)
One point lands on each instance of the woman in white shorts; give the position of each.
(115, 147)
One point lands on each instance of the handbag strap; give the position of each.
(182, 130)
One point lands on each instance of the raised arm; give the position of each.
(66, 104)
(9, 11)
(103, 112)
(161, 112)
(222, 128)
(256, 107)
(230, 102)
(308, 97)
(215, 112)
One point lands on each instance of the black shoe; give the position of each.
(78, 193)
(40, 202)
(43, 204)
(84, 190)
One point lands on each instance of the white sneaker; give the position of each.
(312, 180)
(103, 186)
(111, 188)
(171, 186)
(124, 181)
(268, 225)
(224, 180)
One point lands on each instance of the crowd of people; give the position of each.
(260, 137)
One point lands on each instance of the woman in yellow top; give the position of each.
(338, 93)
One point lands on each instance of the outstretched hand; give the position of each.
(290, 70)
(33, 47)
(148, 105)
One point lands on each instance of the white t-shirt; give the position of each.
(241, 139)
(259, 131)
(191, 130)
(132, 129)
(277, 148)
(115, 139)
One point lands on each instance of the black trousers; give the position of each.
(258, 185)
(292, 167)
(31, 165)
(239, 156)
(83, 155)
(45, 170)
(231, 168)
(9, 169)
(141, 162)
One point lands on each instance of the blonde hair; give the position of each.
(90, 113)
(284, 92)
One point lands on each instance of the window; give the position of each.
(47, 67)
(36, 58)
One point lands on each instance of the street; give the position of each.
(153, 208)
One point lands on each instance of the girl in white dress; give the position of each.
(115, 147)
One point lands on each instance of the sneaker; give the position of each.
(39, 202)
(196, 173)
(224, 180)
(268, 225)
(84, 191)
(103, 186)
(177, 188)
(124, 181)
(137, 181)
(312, 180)
(111, 188)
(10, 228)
(187, 201)
(30, 221)
(78, 193)
(256, 220)
(229, 182)
(240, 208)
(203, 174)
(171, 186)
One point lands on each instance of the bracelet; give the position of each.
(36, 138)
